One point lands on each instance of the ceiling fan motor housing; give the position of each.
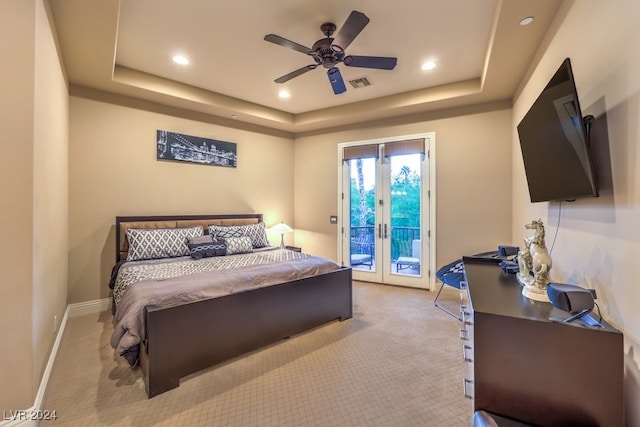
(327, 54)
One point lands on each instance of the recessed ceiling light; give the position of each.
(429, 65)
(284, 94)
(526, 21)
(234, 116)
(179, 59)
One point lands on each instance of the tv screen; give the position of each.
(553, 139)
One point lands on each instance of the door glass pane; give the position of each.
(405, 233)
(362, 212)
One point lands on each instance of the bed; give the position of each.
(284, 294)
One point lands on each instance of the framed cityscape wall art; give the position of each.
(194, 149)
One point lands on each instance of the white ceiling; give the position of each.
(126, 46)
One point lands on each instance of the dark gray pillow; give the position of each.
(205, 247)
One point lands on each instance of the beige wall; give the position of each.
(16, 116)
(113, 171)
(598, 241)
(473, 180)
(34, 198)
(50, 194)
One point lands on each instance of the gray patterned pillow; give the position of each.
(226, 231)
(238, 245)
(160, 242)
(258, 235)
(256, 232)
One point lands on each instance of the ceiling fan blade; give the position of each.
(350, 29)
(336, 80)
(295, 73)
(379, 62)
(287, 43)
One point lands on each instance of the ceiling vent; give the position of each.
(361, 82)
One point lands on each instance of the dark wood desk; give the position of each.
(526, 364)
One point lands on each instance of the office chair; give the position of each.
(452, 274)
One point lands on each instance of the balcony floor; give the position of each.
(408, 269)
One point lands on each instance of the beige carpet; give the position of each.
(397, 362)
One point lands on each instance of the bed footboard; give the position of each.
(187, 338)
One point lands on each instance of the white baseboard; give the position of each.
(23, 418)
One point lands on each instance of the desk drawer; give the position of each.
(467, 337)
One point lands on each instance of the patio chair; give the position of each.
(362, 250)
(412, 261)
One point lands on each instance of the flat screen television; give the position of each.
(554, 143)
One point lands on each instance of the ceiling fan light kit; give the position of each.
(329, 52)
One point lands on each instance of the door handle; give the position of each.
(386, 234)
(379, 231)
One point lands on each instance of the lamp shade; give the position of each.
(281, 228)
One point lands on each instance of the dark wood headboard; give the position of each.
(174, 221)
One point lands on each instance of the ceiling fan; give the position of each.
(330, 52)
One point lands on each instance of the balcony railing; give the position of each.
(401, 238)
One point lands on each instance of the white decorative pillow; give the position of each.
(238, 245)
(156, 243)
(256, 232)
(258, 235)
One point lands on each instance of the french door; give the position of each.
(384, 204)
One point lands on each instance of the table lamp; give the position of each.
(281, 228)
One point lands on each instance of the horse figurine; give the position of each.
(535, 263)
